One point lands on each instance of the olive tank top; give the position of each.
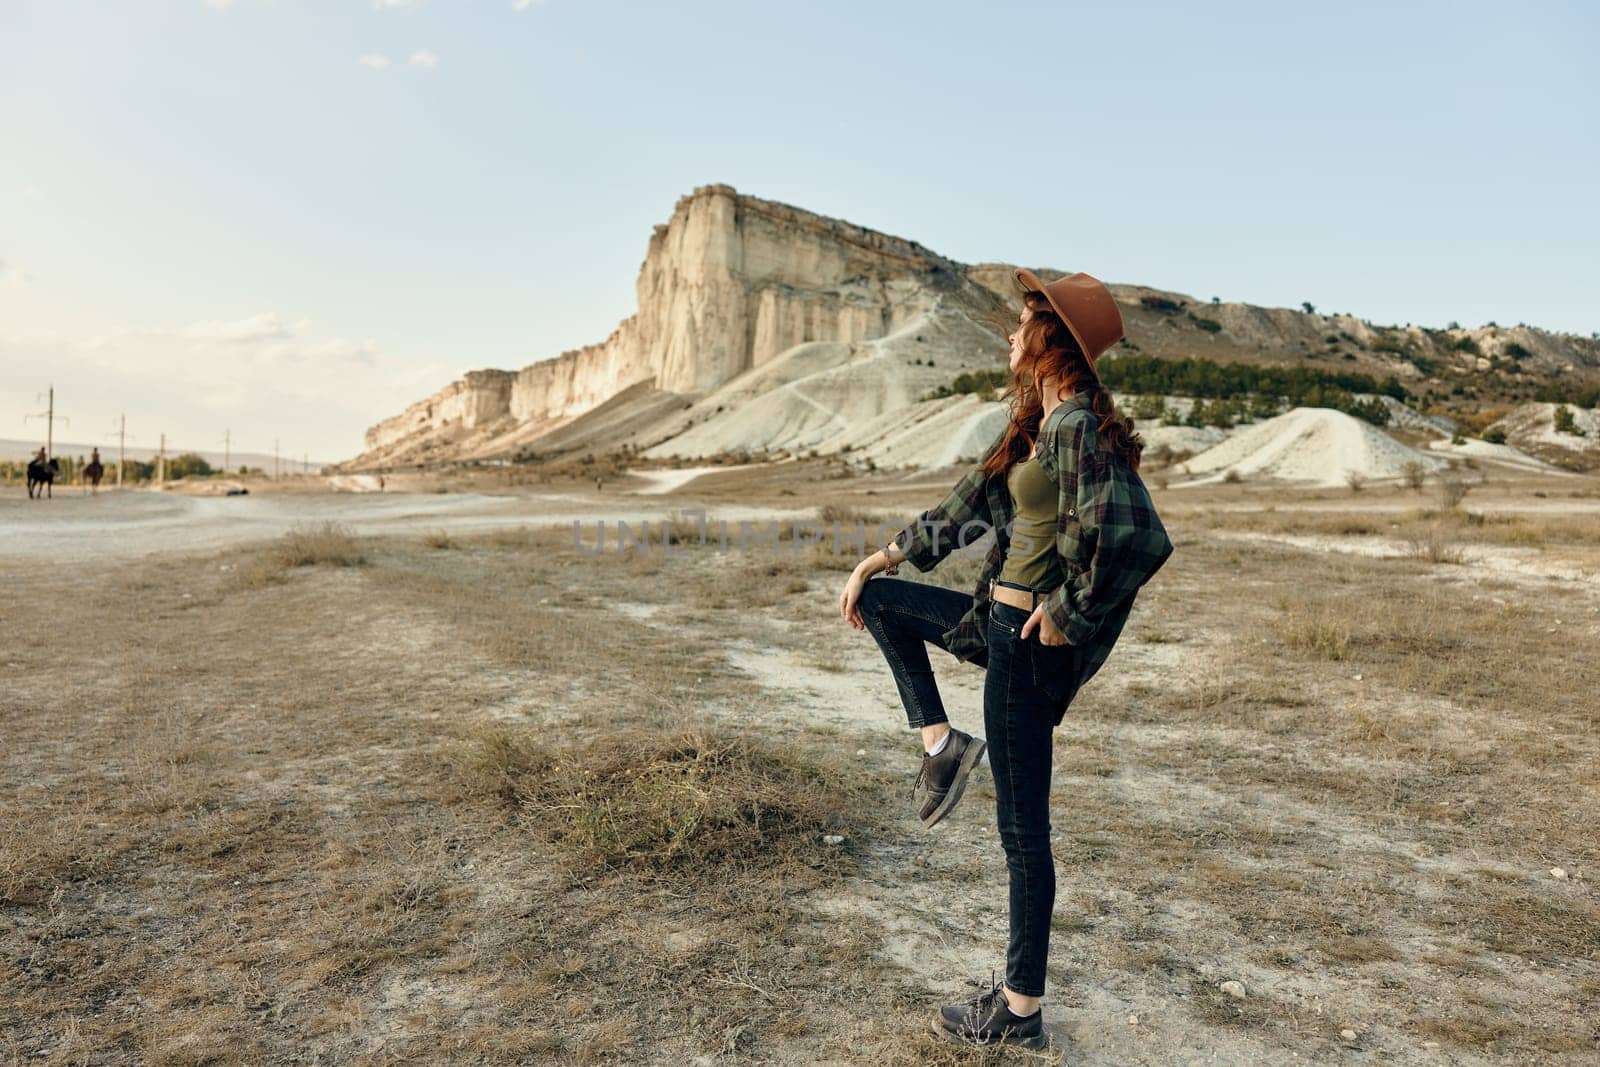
(1031, 558)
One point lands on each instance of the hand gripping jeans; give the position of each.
(1019, 715)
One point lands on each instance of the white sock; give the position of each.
(1014, 1011)
(939, 746)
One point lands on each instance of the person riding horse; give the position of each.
(94, 470)
(42, 474)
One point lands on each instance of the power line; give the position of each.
(50, 417)
(122, 446)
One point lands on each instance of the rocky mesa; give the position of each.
(763, 326)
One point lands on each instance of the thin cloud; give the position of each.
(395, 5)
(266, 326)
(374, 61)
(523, 5)
(219, 5)
(267, 368)
(424, 58)
(13, 277)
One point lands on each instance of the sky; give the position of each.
(288, 219)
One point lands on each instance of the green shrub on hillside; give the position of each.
(982, 382)
(1565, 423)
(1149, 406)
(1263, 406)
(1161, 304)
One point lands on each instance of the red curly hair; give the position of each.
(1050, 351)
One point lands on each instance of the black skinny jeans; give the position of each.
(1019, 721)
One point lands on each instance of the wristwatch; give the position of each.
(889, 550)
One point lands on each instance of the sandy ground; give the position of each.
(1319, 764)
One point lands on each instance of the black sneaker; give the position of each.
(986, 1020)
(943, 778)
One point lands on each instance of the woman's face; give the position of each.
(1016, 340)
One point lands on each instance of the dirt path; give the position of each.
(137, 523)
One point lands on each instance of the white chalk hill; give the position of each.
(864, 394)
(1314, 446)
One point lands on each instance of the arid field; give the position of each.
(414, 777)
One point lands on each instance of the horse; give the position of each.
(94, 471)
(43, 476)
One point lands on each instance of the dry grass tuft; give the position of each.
(323, 543)
(1317, 632)
(1452, 490)
(669, 802)
(439, 539)
(1431, 545)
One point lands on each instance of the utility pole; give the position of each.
(274, 458)
(161, 462)
(50, 417)
(305, 463)
(122, 446)
(227, 450)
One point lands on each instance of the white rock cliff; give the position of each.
(729, 283)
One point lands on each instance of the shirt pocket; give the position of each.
(1069, 540)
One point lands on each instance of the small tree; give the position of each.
(1565, 423)
(1355, 480)
(1309, 307)
(1149, 406)
(1452, 490)
(1413, 473)
(1262, 406)
(188, 465)
(1218, 412)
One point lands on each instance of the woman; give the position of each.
(1075, 538)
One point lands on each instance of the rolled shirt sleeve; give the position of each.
(931, 536)
(934, 534)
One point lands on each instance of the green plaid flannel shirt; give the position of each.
(1108, 535)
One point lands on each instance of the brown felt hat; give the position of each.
(1084, 304)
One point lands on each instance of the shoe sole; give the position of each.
(1032, 1043)
(969, 760)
